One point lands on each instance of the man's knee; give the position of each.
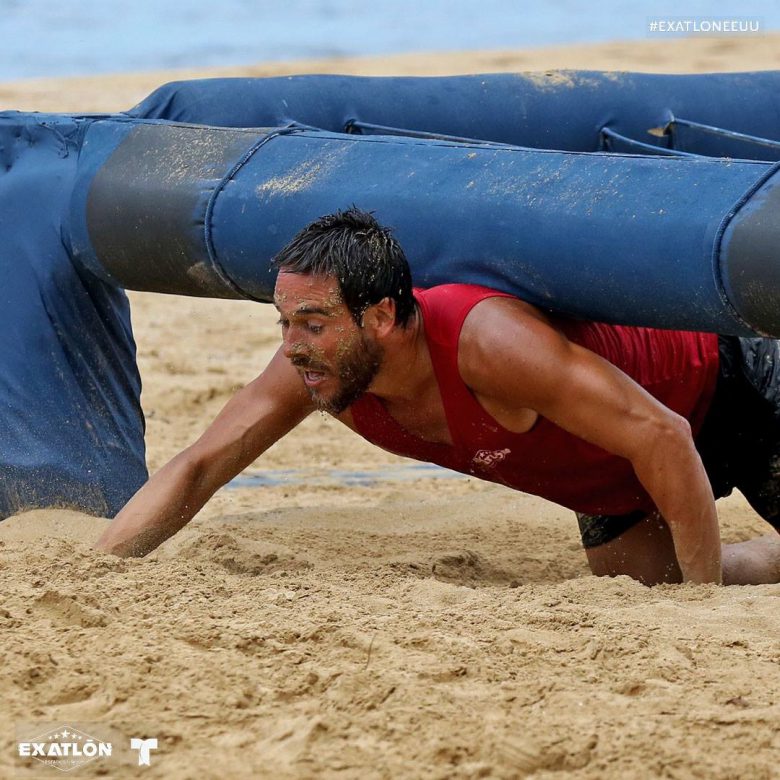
(644, 551)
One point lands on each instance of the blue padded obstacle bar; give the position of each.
(201, 211)
(566, 110)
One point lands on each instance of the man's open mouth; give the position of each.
(312, 378)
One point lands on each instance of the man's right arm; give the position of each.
(257, 416)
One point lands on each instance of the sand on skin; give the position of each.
(427, 628)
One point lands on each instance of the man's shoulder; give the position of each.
(496, 317)
(499, 327)
(446, 306)
(506, 347)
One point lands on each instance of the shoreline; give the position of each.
(119, 91)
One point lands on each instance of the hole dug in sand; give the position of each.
(65, 610)
(240, 555)
(461, 567)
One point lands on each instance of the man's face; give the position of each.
(335, 357)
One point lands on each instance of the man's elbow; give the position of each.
(203, 471)
(665, 443)
(674, 429)
(190, 471)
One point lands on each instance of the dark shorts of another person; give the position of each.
(739, 442)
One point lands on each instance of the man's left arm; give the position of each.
(511, 354)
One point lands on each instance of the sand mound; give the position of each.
(48, 524)
(238, 554)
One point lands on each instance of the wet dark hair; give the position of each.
(365, 258)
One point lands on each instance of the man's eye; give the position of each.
(313, 328)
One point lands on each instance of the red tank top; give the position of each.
(679, 368)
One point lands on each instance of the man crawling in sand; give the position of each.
(637, 430)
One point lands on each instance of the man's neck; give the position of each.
(406, 370)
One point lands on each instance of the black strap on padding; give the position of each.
(147, 206)
(752, 270)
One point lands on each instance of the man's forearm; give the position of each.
(697, 543)
(252, 420)
(166, 503)
(676, 480)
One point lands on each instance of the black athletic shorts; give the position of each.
(739, 442)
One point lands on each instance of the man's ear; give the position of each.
(379, 318)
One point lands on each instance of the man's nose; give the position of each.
(294, 348)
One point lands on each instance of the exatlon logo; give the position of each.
(64, 748)
(69, 747)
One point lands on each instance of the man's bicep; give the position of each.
(593, 399)
(523, 361)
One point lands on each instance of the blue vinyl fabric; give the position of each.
(610, 237)
(564, 110)
(193, 191)
(652, 240)
(71, 428)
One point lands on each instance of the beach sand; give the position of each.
(413, 627)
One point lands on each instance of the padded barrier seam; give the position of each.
(694, 159)
(207, 231)
(509, 149)
(716, 259)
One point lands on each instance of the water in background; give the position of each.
(60, 38)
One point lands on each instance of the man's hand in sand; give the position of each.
(256, 417)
